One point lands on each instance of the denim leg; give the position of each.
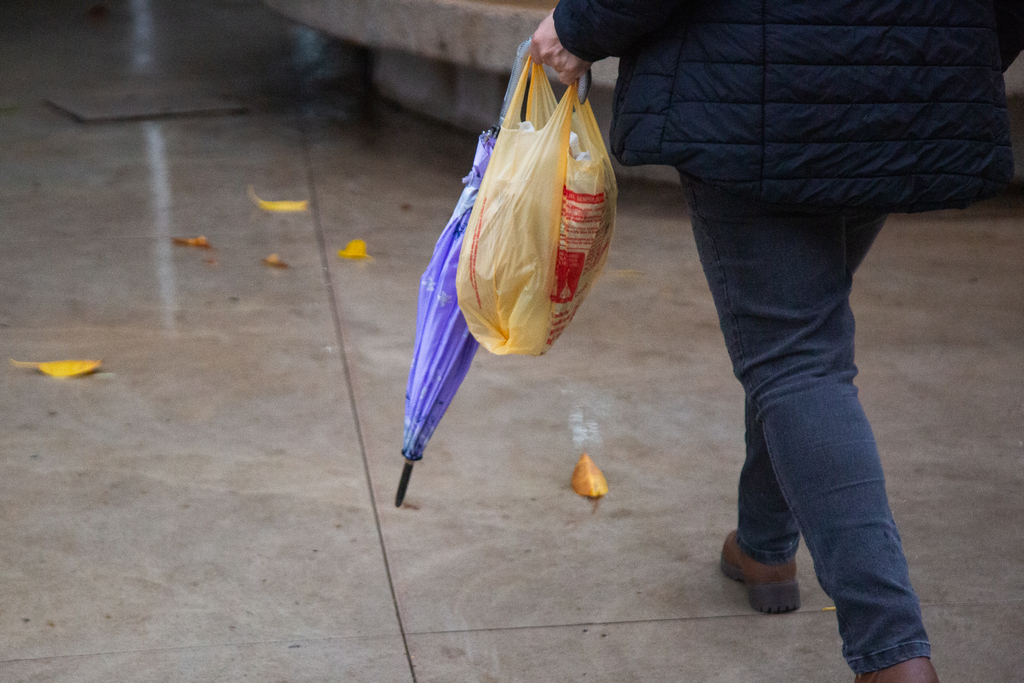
(767, 530)
(781, 282)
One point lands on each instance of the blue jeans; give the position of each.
(781, 281)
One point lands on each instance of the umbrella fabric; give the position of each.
(444, 347)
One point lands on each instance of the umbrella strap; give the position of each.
(513, 81)
(584, 86)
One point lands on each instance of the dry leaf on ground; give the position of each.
(274, 261)
(356, 249)
(278, 206)
(62, 368)
(587, 479)
(201, 242)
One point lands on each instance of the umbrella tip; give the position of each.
(403, 483)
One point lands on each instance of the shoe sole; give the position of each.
(769, 598)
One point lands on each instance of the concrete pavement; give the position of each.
(215, 504)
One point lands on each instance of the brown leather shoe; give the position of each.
(917, 670)
(771, 588)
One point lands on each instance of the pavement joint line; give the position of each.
(381, 636)
(314, 207)
(806, 611)
(620, 622)
(198, 646)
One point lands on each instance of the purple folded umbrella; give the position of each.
(444, 347)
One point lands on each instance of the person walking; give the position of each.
(797, 127)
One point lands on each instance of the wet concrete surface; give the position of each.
(215, 504)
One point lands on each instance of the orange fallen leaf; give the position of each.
(200, 242)
(62, 368)
(356, 249)
(275, 261)
(279, 206)
(587, 480)
(210, 261)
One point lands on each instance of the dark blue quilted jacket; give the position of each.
(888, 104)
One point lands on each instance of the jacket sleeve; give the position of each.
(595, 29)
(1009, 26)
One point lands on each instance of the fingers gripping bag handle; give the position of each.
(520, 279)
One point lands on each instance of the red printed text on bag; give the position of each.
(582, 215)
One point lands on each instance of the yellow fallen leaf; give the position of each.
(62, 368)
(279, 206)
(274, 261)
(587, 480)
(356, 249)
(200, 242)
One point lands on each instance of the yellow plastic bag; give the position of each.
(539, 232)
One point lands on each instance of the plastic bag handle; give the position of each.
(517, 71)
